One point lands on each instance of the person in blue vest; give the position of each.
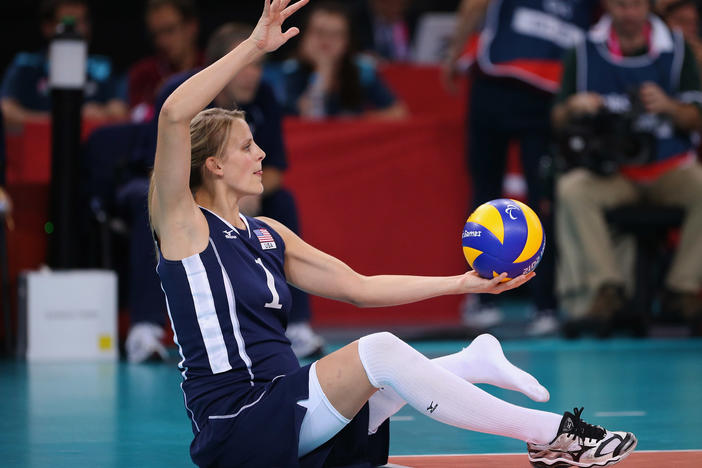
(518, 71)
(25, 94)
(225, 276)
(247, 92)
(631, 60)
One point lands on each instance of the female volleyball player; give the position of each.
(225, 274)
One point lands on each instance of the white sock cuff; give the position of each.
(365, 345)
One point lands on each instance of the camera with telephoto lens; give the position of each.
(605, 141)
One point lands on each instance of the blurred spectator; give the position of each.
(684, 16)
(173, 27)
(327, 79)
(5, 202)
(636, 76)
(518, 71)
(264, 115)
(388, 34)
(25, 88)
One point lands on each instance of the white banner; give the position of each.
(544, 26)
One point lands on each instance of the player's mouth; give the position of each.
(259, 172)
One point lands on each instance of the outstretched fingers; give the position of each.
(514, 283)
(497, 280)
(290, 33)
(478, 284)
(292, 8)
(273, 8)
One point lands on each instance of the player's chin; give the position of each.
(255, 188)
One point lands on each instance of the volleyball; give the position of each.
(503, 235)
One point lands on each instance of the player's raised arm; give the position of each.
(172, 197)
(323, 275)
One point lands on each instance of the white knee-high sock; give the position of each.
(441, 395)
(485, 362)
(481, 362)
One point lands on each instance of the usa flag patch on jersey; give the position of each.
(265, 238)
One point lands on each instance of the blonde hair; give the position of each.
(209, 132)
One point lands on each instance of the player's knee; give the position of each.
(383, 344)
(383, 340)
(394, 350)
(383, 355)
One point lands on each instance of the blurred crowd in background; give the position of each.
(602, 97)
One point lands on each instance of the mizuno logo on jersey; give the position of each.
(229, 235)
(265, 238)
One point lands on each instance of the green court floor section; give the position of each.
(121, 415)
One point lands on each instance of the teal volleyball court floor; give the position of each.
(121, 415)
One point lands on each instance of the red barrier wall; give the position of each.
(384, 197)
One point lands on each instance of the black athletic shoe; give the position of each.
(581, 444)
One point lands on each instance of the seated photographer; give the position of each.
(633, 85)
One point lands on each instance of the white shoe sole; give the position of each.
(563, 463)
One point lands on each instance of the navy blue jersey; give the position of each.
(229, 307)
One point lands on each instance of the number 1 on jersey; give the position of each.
(270, 281)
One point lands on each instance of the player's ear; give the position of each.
(214, 165)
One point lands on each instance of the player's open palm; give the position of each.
(268, 34)
(471, 282)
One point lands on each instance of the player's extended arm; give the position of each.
(172, 197)
(323, 275)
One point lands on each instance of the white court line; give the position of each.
(523, 453)
(611, 414)
(402, 418)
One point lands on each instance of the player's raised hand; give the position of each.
(268, 34)
(471, 282)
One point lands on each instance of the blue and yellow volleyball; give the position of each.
(503, 235)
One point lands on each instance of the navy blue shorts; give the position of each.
(266, 434)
